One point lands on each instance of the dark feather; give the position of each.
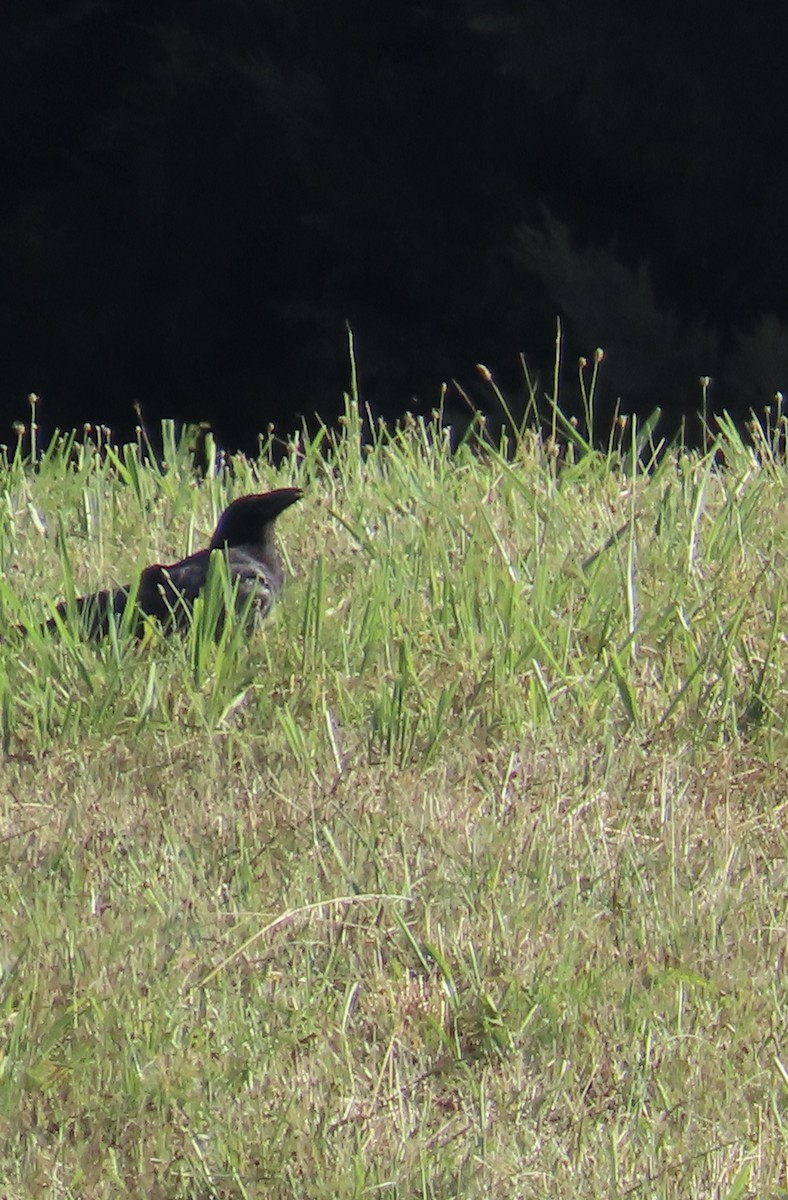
(245, 533)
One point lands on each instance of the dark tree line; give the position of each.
(196, 197)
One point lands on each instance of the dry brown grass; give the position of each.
(467, 878)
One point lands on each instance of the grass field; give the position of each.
(465, 878)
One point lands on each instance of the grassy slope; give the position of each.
(466, 878)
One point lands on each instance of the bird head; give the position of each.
(249, 520)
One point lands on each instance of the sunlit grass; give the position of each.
(465, 877)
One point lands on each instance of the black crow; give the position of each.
(245, 534)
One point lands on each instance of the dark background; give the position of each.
(195, 198)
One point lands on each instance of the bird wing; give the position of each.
(93, 611)
(257, 583)
(169, 592)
